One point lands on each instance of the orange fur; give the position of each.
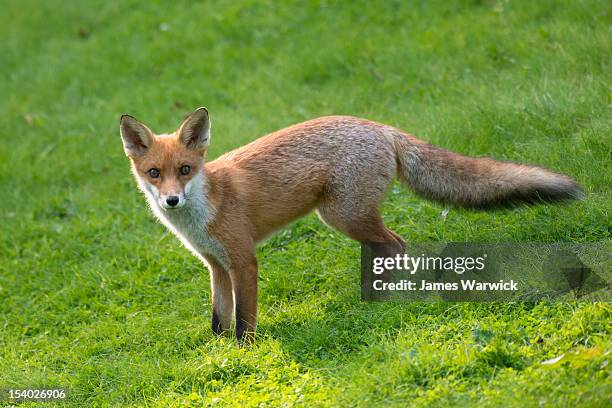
(339, 165)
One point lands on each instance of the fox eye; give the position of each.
(154, 173)
(185, 170)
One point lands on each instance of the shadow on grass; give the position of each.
(346, 326)
(417, 344)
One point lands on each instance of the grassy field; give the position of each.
(97, 297)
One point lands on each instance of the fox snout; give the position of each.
(172, 200)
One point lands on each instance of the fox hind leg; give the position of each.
(352, 197)
(366, 227)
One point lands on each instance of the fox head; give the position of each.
(167, 166)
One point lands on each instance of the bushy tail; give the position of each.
(448, 177)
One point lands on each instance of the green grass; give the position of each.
(97, 297)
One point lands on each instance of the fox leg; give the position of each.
(352, 197)
(367, 228)
(243, 273)
(399, 239)
(222, 298)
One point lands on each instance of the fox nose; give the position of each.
(172, 201)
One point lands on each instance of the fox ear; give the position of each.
(195, 130)
(136, 137)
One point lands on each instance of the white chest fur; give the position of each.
(190, 223)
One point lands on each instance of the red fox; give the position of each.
(341, 166)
